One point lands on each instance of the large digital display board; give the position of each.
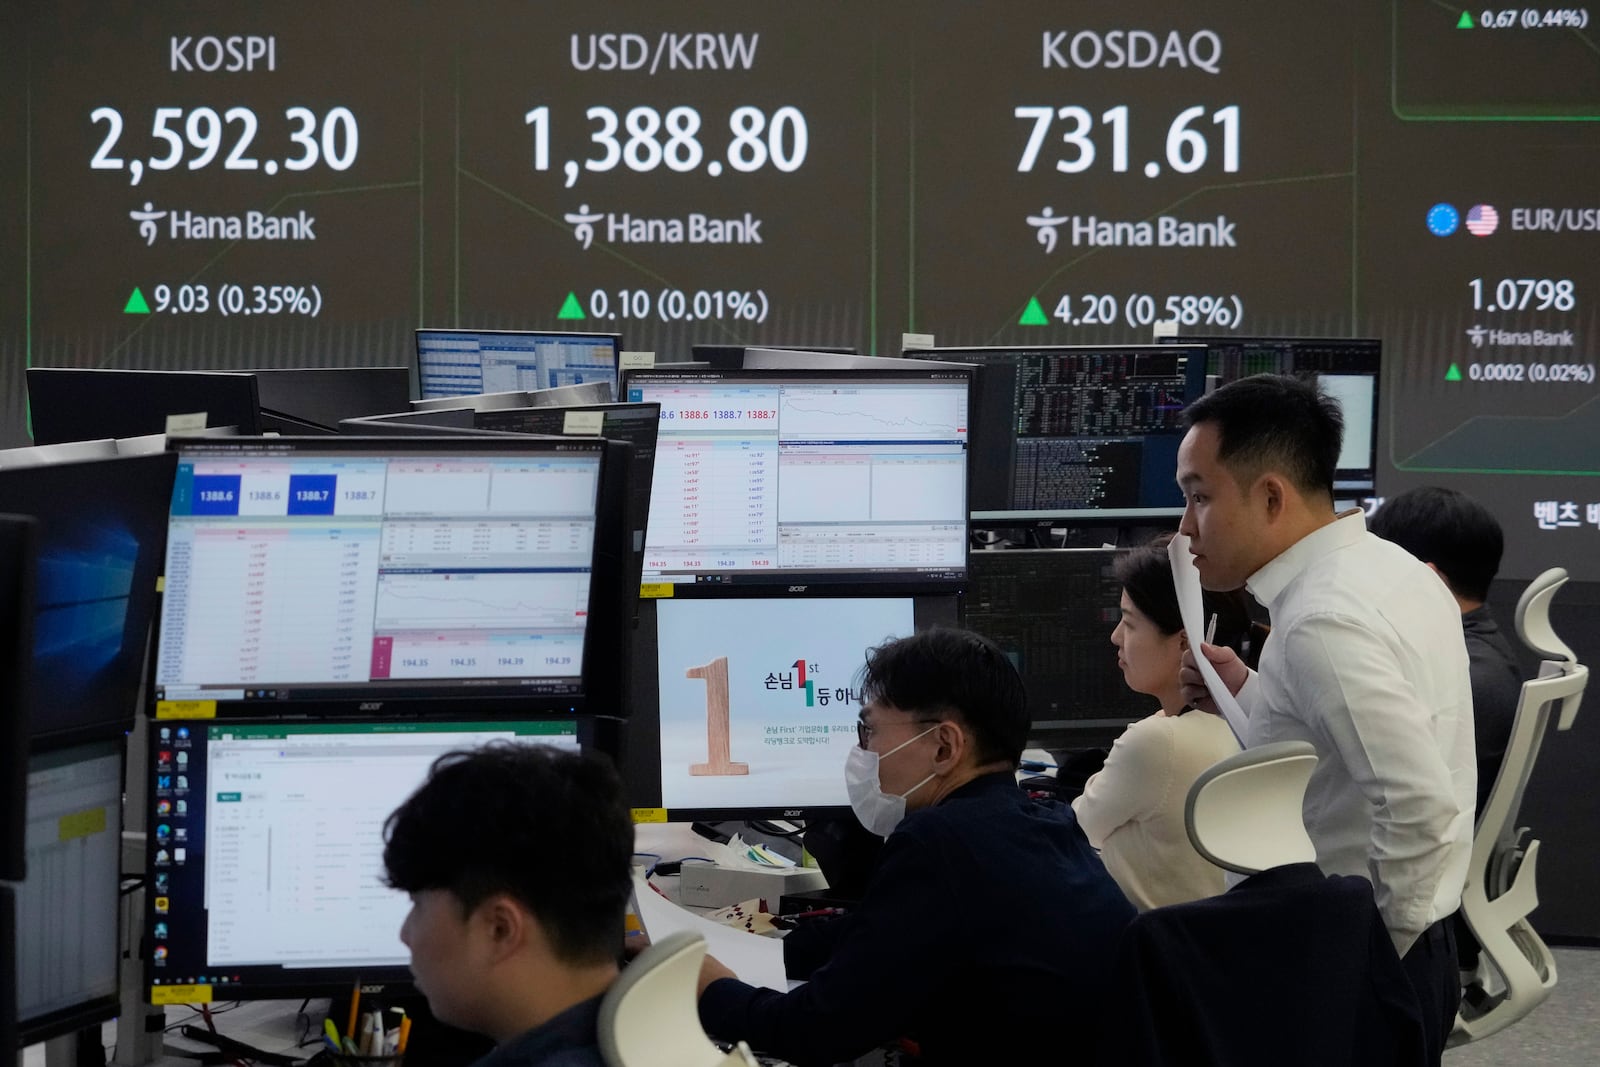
(183, 186)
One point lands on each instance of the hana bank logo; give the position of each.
(147, 220)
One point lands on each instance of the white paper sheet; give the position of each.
(757, 960)
(1191, 606)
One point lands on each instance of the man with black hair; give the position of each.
(1366, 662)
(518, 862)
(988, 911)
(1461, 541)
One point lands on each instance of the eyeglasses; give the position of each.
(864, 732)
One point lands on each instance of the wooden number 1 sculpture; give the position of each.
(715, 675)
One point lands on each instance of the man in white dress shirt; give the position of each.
(1366, 662)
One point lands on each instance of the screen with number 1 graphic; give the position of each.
(363, 569)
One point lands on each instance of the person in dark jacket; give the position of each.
(988, 912)
(517, 859)
(1461, 540)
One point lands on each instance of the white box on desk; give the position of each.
(706, 885)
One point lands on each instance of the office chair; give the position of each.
(650, 1018)
(1288, 966)
(1516, 970)
(1243, 813)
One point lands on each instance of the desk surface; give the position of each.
(269, 1025)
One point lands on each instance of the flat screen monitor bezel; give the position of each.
(304, 388)
(795, 582)
(445, 700)
(640, 744)
(97, 1009)
(1047, 518)
(43, 736)
(614, 338)
(481, 418)
(1037, 714)
(315, 982)
(239, 389)
(9, 1040)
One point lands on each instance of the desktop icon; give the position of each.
(183, 781)
(183, 758)
(163, 880)
(183, 733)
(163, 756)
(161, 955)
(162, 905)
(180, 834)
(182, 808)
(179, 855)
(163, 831)
(162, 857)
(159, 931)
(163, 807)
(163, 781)
(166, 733)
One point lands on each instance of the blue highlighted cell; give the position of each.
(215, 494)
(312, 494)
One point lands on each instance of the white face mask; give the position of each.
(878, 811)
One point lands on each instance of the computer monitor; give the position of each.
(68, 937)
(340, 574)
(515, 398)
(462, 362)
(1053, 611)
(102, 532)
(1077, 433)
(637, 424)
(152, 443)
(66, 452)
(745, 708)
(70, 404)
(806, 359)
(8, 971)
(265, 861)
(1350, 369)
(322, 396)
(731, 357)
(18, 548)
(778, 479)
(429, 422)
(565, 396)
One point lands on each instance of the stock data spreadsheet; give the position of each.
(347, 570)
(755, 476)
(67, 906)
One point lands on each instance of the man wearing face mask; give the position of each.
(988, 911)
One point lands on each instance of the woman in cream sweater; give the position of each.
(1132, 810)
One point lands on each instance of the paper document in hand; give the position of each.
(755, 959)
(1192, 607)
